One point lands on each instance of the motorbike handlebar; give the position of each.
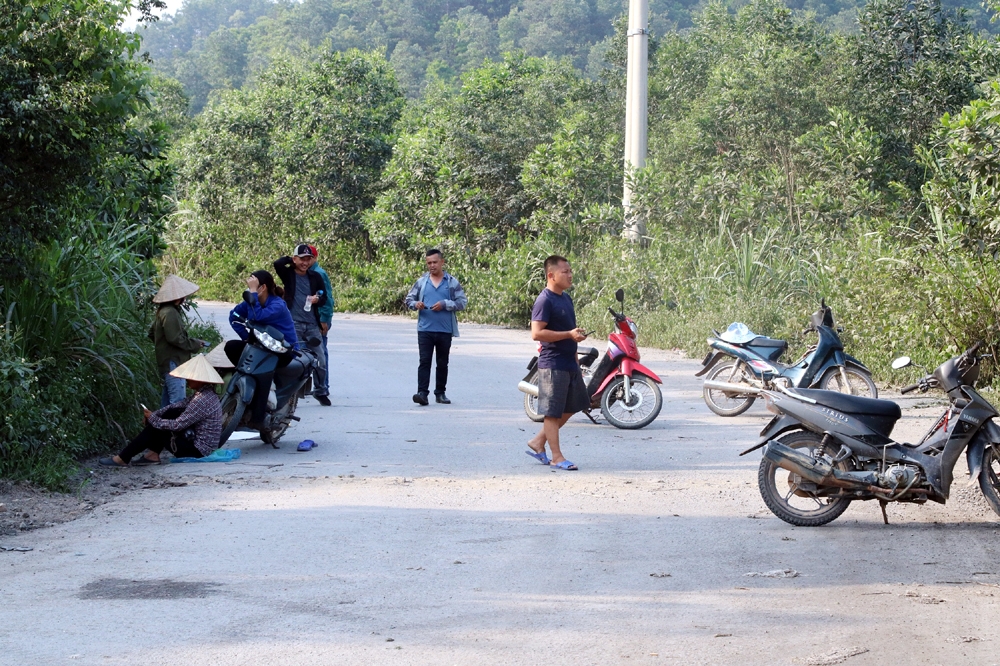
(618, 317)
(975, 348)
(909, 389)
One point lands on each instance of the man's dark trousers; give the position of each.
(431, 342)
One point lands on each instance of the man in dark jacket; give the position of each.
(305, 295)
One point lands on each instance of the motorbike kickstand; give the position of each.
(885, 516)
(592, 419)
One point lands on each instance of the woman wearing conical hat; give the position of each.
(189, 429)
(170, 337)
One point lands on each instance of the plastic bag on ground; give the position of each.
(219, 455)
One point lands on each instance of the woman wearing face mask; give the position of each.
(262, 305)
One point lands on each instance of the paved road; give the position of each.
(426, 536)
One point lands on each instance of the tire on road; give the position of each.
(640, 411)
(531, 401)
(721, 402)
(281, 421)
(989, 477)
(809, 510)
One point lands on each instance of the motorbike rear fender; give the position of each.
(779, 424)
(531, 368)
(709, 363)
(630, 368)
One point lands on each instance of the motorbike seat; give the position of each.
(770, 348)
(586, 355)
(852, 404)
(293, 369)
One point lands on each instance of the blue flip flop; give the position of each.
(566, 465)
(540, 457)
(306, 445)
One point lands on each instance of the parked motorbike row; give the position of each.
(828, 444)
(743, 364)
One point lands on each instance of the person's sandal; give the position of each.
(143, 461)
(110, 462)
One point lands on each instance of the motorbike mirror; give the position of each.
(620, 295)
(901, 362)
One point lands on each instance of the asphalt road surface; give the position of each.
(425, 535)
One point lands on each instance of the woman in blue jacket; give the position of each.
(262, 304)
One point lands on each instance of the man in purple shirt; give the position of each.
(561, 389)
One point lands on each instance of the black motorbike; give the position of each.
(265, 345)
(824, 449)
(742, 364)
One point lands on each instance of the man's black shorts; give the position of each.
(561, 392)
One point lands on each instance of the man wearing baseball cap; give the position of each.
(305, 294)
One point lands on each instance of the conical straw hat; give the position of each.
(198, 369)
(175, 287)
(217, 357)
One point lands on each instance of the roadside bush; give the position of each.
(74, 354)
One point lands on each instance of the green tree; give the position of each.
(69, 86)
(298, 155)
(914, 62)
(83, 188)
(456, 169)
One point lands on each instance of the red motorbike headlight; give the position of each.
(633, 328)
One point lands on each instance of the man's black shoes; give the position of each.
(442, 399)
(421, 398)
(323, 400)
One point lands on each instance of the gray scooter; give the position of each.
(824, 449)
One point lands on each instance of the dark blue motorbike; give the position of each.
(259, 361)
(742, 364)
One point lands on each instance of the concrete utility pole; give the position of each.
(635, 109)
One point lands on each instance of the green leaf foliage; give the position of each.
(84, 184)
(297, 156)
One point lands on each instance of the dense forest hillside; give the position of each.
(213, 44)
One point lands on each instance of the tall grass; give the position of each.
(73, 362)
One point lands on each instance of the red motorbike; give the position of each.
(627, 392)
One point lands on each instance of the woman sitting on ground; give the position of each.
(259, 307)
(189, 428)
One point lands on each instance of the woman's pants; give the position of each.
(173, 388)
(156, 440)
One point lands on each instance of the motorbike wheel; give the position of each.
(281, 422)
(531, 401)
(858, 383)
(781, 490)
(721, 402)
(232, 414)
(989, 478)
(643, 406)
